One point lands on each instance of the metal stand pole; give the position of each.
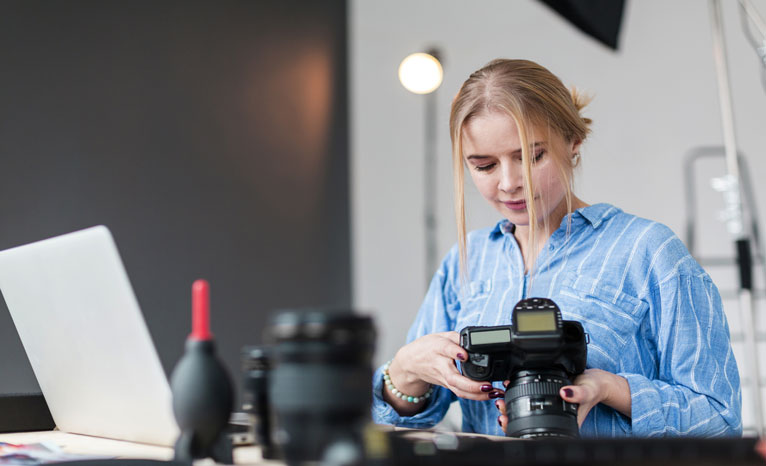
(429, 185)
(728, 185)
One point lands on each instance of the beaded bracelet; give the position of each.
(398, 394)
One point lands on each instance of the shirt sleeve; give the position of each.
(697, 389)
(436, 314)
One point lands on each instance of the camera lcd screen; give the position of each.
(491, 337)
(535, 321)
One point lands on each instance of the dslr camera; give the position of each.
(539, 353)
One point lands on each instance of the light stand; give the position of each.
(422, 73)
(729, 186)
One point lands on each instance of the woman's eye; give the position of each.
(539, 156)
(483, 168)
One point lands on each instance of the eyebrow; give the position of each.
(517, 151)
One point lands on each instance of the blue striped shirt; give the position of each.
(652, 313)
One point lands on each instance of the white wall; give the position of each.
(655, 99)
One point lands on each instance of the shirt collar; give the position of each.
(593, 214)
(596, 214)
(504, 226)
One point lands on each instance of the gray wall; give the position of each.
(210, 137)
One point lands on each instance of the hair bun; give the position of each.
(580, 101)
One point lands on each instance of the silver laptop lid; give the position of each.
(87, 342)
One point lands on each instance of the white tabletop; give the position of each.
(83, 444)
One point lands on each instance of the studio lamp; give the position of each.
(422, 73)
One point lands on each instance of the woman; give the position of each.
(659, 358)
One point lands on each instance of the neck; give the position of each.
(544, 229)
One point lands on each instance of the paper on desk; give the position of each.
(37, 453)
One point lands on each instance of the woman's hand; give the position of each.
(590, 388)
(431, 360)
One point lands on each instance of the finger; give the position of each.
(467, 388)
(580, 395)
(496, 393)
(503, 421)
(470, 389)
(452, 336)
(469, 395)
(760, 448)
(577, 394)
(568, 394)
(582, 413)
(500, 405)
(506, 383)
(453, 350)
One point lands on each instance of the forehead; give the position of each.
(492, 119)
(490, 124)
(495, 131)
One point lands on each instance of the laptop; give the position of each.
(86, 339)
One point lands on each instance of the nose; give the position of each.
(511, 178)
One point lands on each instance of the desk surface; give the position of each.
(726, 451)
(83, 444)
(87, 445)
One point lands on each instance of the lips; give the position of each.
(516, 205)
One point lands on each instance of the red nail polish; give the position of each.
(486, 388)
(460, 356)
(496, 394)
(568, 392)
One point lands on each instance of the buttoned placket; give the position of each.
(513, 252)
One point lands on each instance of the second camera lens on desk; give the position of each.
(320, 382)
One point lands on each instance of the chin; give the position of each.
(525, 223)
(519, 219)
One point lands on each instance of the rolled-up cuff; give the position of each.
(646, 408)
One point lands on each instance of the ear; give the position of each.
(575, 146)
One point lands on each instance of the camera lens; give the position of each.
(535, 409)
(256, 366)
(320, 385)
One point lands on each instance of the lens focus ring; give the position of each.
(534, 388)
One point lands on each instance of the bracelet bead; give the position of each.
(394, 391)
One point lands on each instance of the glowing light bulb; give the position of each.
(421, 73)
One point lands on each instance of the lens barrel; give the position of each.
(320, 384)
(535, 409)
(256, 367)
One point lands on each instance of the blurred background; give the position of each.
(269, 146)
(210, 137)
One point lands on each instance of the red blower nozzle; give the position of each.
(201, 311)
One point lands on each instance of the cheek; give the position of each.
(484, 185)
(549, 185)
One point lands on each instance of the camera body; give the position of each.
(539, 353)
(537, 339)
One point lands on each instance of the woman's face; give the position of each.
(492, 151)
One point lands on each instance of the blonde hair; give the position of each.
(534, 98)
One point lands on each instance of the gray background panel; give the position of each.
(210, 137)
